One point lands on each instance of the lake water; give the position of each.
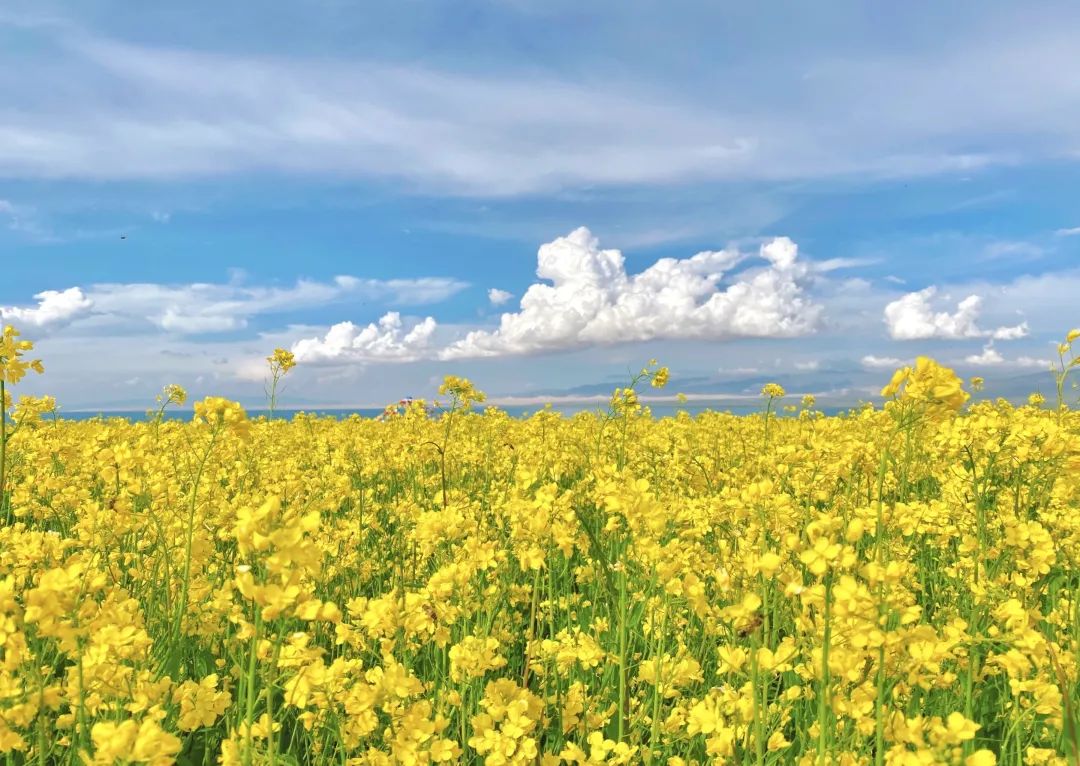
(659, 410)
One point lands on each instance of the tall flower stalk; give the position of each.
(13, 368)
(281, 361)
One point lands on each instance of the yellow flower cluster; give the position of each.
(29, 409)
(595, 589)
(929, 385)
(220, 414)
(773, 391)
(281, 361)
(172, 394)
(13, 366)
(463, 394)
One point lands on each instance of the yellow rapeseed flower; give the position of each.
(773, 391)
(13, 366)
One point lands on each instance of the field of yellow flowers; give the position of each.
(897, 585)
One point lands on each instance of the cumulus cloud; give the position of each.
(1069, 232)
(990, 356)
(499, 297)
(881, 362)
(912, 317)
(385, 340)
(592, 300)
(54, 309)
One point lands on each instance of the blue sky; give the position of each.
(807, 194)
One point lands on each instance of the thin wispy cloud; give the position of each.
(519, 132)
(991, 357)
(462, 133)
(1013, 250)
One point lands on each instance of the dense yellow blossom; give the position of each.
(894, 585)
(129, 742)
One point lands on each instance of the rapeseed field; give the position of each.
(450, 585)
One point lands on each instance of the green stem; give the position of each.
(189, 535)
(3, 445)
(622, 658)
(80, 718)
(532, 627)
(759, 722)
(272, 679)
(249, 713)
(879, 533)
(654, 735)
(273, 394)
(823, 693)
(42, 746)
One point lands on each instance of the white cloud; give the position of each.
(511, 130)
(499, 297)
(881, 362)
(177, 320)
(912, 317)
(834, 264)
(54, 308)
(740, 371)
(24, 220)
(1013, 332)
(592, 300)
(191, 309)
(808, 366)
(853, 286)
(1011, 250)
(990, 356)
(1027, 361)
(410, 292)
(386, 340)
(1070, 232)
(494, 134)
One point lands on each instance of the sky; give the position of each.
(541, 196)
